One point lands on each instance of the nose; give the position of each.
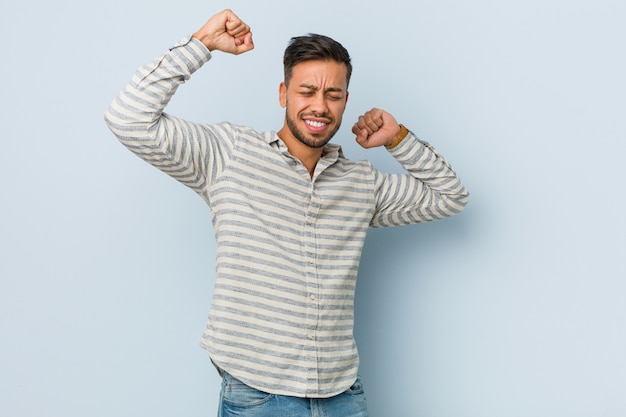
(319, 103)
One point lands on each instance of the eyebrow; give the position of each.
(329, 89)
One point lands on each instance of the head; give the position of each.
(315, 89)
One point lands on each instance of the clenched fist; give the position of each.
(376, 128)
(226, 32)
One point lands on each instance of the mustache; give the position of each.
(323, 115)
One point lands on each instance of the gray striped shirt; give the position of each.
(288, 245)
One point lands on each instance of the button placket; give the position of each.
(310, 250)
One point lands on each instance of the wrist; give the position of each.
(204, 39)
(399, 137)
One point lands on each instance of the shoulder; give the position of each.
(236, 129)
(361, 169)
(236, 132)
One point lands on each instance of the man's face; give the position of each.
(315, 99)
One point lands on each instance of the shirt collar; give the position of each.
(331, 150)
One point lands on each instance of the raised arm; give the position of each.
(189, 152)
(430, 190)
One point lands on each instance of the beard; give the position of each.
(313, 140)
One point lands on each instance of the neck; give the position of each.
(305, 154)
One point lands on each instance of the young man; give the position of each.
(290, 215)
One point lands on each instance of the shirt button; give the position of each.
(312, 297)
(310, 337)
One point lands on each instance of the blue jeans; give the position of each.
(238, 399)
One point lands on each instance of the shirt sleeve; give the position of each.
(430, 189)
(189, 152)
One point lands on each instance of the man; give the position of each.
(290, 215)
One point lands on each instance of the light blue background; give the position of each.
(515, 308)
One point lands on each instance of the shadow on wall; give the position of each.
(400, 267)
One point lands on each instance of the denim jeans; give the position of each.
(238, 399)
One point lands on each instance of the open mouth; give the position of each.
(316, 125)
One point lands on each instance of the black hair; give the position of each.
(314, 47)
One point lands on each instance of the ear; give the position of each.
(282, 94)
(347, 96)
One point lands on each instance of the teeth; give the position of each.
(315, 124)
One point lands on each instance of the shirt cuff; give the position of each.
(194, 52)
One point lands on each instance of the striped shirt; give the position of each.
(288, 244)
